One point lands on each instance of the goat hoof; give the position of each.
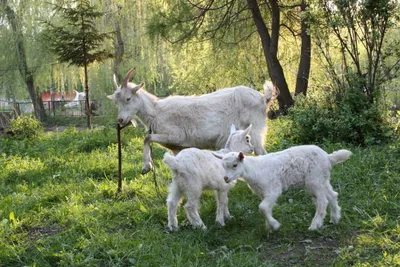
(144, 171)
(201, 227)
(229, 217)
(147, 167)
(172, 228)
(314, 228)
(275, 226)
(335, 220)
(220, 223)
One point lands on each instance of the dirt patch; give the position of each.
(60, 129)
(36, 233)
(309, 252)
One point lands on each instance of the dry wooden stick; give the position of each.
(119, 128)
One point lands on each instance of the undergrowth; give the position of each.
(59, 207)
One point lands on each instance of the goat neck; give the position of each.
(147, 110)
(250, 169)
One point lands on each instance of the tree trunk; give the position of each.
(119, 51)
(270, 49)
(303, 73)
(26, 74)
(87, 100)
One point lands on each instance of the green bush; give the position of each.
(25, 127)
(348, 117)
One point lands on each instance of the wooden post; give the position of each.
(119, 128)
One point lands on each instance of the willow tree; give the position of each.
(76, 40)
(234, 21)
(27, 73)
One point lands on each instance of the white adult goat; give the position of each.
(270, 175)
(179, 122)
(195, 170)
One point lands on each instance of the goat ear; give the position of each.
(137, 87)
(218, 156)
(233, 128)
(246, 132)
(115, 81)
(241, 156)
(126, 79)
(112, 97)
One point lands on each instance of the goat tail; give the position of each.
(270, 92)
(170, 161)
(339, 156)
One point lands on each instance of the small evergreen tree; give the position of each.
(77, 40)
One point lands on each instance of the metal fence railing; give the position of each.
(71, 108)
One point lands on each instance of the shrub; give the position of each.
(25, 127)
(279, 134)
(349, 118)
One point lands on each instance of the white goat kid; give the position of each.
(270, 175)
(195, 170)
(180, 122)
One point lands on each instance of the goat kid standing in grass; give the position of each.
(270, 175)
(179, 122)
(195, 170)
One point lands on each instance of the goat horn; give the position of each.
(115, 81)
(126, 79)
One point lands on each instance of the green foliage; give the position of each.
(279, 135)
(361, 31)
(25, 127)
(214, 46)
(346, 117)
(77, 40)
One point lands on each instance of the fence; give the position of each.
(75, 108)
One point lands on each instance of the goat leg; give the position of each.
(161, 139)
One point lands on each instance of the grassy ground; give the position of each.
(58, 207)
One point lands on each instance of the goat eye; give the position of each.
(234, 165)
(128, 99)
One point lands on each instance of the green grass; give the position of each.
(59, 207)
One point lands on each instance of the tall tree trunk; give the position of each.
(87, 98)
(26, 74)
(119, 51)
(270, 48)
(303, 73)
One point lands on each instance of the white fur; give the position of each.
(180, 122)
(270, 175)
(195, 170)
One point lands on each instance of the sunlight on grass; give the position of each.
(21, 167)
(375, 248)
(60, 208)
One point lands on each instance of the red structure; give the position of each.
(57, 96)
(49, 97)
